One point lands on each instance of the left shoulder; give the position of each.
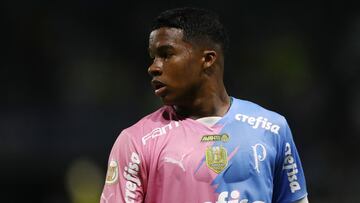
(258, 116)
(253, 108)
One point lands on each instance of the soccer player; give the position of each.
(202, 146)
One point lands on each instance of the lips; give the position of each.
(159, 87)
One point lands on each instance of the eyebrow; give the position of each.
(162, 48)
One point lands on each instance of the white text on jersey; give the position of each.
(259, 155)
(290, 166)
(234, 198)
(156, 132)
(258, 122)
(131, 174)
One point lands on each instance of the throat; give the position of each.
(209, 121)
(204, 110)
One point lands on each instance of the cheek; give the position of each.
(184, 75)
(177, 69)
(183, 70)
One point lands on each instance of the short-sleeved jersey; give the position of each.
(248, 156)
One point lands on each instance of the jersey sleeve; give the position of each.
(126, 174)
(289, 180)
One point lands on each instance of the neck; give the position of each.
(212, 103)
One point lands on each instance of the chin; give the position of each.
(167, 101)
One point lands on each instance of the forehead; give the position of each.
(166, 36)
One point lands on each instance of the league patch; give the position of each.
(112, 173)
(216, 158)
(211, 138)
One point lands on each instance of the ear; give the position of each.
(209, 58)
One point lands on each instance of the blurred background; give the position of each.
(74, 74)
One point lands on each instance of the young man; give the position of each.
(202, 145)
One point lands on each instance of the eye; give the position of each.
(163, 52)
(166, 55)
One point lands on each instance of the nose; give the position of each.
(155, 69)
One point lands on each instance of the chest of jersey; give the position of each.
(205, 162)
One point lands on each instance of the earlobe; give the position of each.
(209, 58)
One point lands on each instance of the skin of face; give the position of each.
(177, 67)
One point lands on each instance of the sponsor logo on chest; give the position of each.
(233, 197)
(258, 122)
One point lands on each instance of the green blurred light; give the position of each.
(84, 181)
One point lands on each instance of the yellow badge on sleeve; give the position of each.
(112, 173)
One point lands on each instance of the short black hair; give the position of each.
(197, 25)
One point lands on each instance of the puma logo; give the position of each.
(177, 162)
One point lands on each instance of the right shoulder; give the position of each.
(145, 125)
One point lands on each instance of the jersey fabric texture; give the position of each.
(248, 156)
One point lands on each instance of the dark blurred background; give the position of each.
(74, 74)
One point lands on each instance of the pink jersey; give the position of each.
(166, 159)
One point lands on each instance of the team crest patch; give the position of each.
(112, 174)
(216, 158)
(211, 138)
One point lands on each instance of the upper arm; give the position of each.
(289, 179)
(126, 174)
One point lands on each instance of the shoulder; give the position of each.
(253, 108)
(258, 116)
(153, 120)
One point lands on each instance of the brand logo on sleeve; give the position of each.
(258, 122)
(112, 173)
(291, 168)
(216, 158)
(131, 175)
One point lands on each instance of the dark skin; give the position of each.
(187, 75)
